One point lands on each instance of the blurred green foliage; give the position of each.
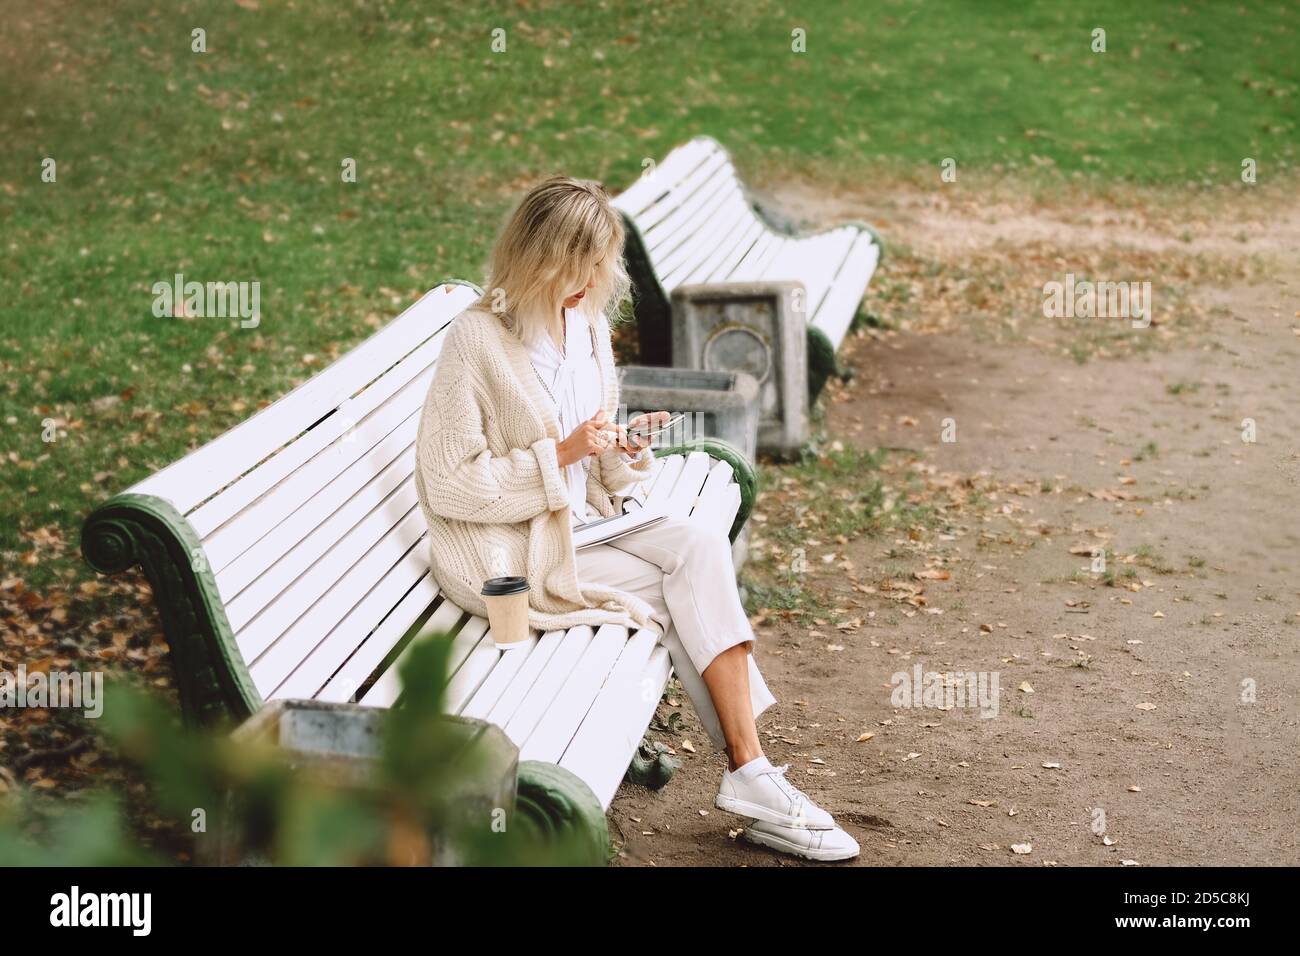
(262, 809)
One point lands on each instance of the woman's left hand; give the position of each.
(635, 437)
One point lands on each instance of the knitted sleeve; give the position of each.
(459, 477)
(617, 473)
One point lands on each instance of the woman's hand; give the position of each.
(590, 438)
(637, 435)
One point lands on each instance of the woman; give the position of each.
(516, 443)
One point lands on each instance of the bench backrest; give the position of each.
(308, 515)
(698, 225)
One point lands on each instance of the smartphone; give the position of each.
(666, 426)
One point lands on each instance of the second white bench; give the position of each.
(692, 222)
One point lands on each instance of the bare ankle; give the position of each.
(737, 757)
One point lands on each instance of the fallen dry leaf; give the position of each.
(932, 574)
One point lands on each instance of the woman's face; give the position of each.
(572, 301)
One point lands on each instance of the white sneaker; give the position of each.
(820, 845)
(769, 797)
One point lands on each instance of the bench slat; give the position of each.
(649, 189)
(687, 488)
(714, 169)
(665, 480)
(685, 222)
(723, 220)
(714, 497)
(542, 694)
(369, 590)
(377, 542)
(718, 268)
(473, 655)
(199, 475)
(556, 728)
(524, 679)
(362, 662)
(384, 601)
(729, 247)
(841, 304)
(753, 268)
(490, 691)
(387, 687)
(656, 469)
(325, 448)
(814, 261)
(605, 743)
(254, 580)
(466, 681)
(727, 513)
(387, 408)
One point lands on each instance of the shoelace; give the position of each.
(789, 789)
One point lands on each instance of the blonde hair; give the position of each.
(563, 234)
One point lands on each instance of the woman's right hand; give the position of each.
(589, 438)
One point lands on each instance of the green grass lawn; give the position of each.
(225, 166)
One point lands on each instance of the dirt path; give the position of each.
(1126, 694)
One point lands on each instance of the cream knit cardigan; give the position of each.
(491, 487)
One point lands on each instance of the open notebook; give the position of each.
(599, 530)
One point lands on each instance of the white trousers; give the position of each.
(684, 571)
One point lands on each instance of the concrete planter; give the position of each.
(717, 404)
(339, 745)
(755, 327)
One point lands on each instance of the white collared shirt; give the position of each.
(574, 381)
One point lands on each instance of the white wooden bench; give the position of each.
(288, 559)
(691, 222)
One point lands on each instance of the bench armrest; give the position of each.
(211, 678)
(743, 472)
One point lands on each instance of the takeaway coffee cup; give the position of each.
(507, 605)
